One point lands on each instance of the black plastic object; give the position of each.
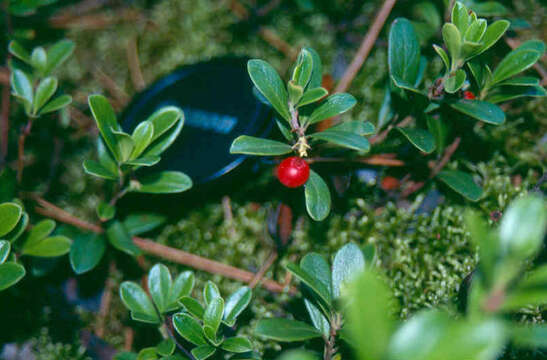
(218, 104)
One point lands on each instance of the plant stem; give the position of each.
(168, 327)
(330, 342)
(118, 196)
(165, 252)
(21, 150)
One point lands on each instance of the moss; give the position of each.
(43, 348)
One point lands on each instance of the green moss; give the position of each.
(44, 348)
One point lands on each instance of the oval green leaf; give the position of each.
(480, 110)
(251, 145)
(10, 213)
(268, 82)
(165, 182)
(317, 196)
(420, 138)
(462, 183)
(10, 274)
(333, 105)
(286, 330)
(86, 252)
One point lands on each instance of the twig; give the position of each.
(380, 159)
(436, 169)
(260, 274)
(366, 46)
(120, 97)
(134, 64)
(106, 300)
(128, 337)
(178, 256)
(378, 138)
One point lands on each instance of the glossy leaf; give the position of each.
(10, 274)
(125, 145)
(22, 86)
(286, 330)
(452, 40)
(311, 281)
(144, 161)
(136, 300)
(454, 82)
(420, 138)
(94, 168)
(213, 313)
(530, 336)
(236, 303)
(316, 265)
(192, 306)
(142, 137)
(251, 145)
(38, 59)
(18, 230)
(104, 116)
(317, 196)
(521, 81)
(182, 286)
(159, 285)
(40, 231)
(56, 104)
(268, 82)
(10, 213)
(44, 92)
(444, 56)
(348, 263)
(140, 223)
(344, 139)
(117, 235)
(58, 53)
(462, 183)
(167, 128)
(105, 211)
(475, 31)
(459, 16)
(203, 352)
(189, 329)
(49, 247)
(515, 62)
(480, 110)
(403, 52)
(19, 51)
(318, 319)
(317, 71)
(492, 34)
(333, 105)
(507, 93)
(356, 127)
(5, 247)
(303, 69)
(164, 182)
(166, 347)
(86, 252)
(312, 95)
(237, 344)
(210, 292)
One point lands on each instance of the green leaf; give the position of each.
(117, 235)
(86, 252)
(49, 247)
(144, 161)
(125, 145)
(316, 265)
(38, 59)
(165, 182)
(475, 31)
(22, 86)
(333, 105)
(453, 41)
(310, 280)
(166, 347)
(18, 230)
(317, 197)
(295, 92)
(58, 53)
(236, 303)
(303, 69)
(523, 227)
(515, 62)
(210, 292)
(237, 344)
(142, 137)
(189, 329)
(488, 245)
(268, 82)
(318, 319)
(40, 231)
(420, 138)
(10, 274)
(480, 110)
(203, 352)
(182, 286)
(312, 95)
(317, 72)
(159, 285)
(356, 127)
(444, 56)
(140, 223)
(286, 330)
(348, 263)
(149, 353)
(536, 45)
(104, 116)
(492, 34)
(19, 51)
(530, 336)
(10, 213)
(251, 145)
(370, 318)
(459, 17)
(96, 169)
(521, 81)
(489, 8)
(56, 104)
(284, 130)
(343, 138)
(125, 355)
(105, 211)
(167, 122)
(136, 300)
(44, 92)
(192, 306)
(5, 247)
(403, 52)
(213, 314)
(478, 71)
(454, 82)
(462, 183)
(436, 126)
(507, 93)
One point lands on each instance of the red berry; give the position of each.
(389, 183)
(293, 172)
(468, 95)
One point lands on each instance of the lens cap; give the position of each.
(219, 105)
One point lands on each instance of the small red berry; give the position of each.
(389, 183)
(468, 95)
(293, 172)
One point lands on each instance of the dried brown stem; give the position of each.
(380, 159)
(366, 46)
(260, 274)
(134, 64)
(165, 252)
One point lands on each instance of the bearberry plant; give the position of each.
(299, 106)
